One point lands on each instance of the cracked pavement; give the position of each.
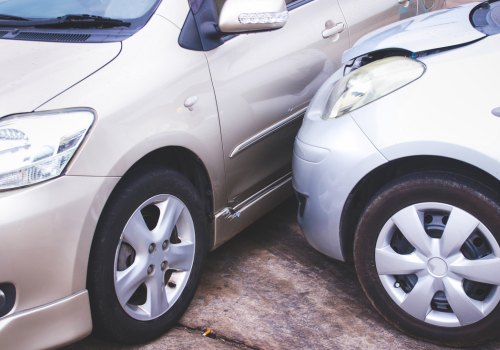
(268, 289)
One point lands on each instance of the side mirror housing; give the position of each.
(239, 16)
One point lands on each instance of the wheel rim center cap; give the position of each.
(437, 267)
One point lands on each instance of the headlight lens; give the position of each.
(371, 82)
(35, 147)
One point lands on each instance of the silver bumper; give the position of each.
(330, 158)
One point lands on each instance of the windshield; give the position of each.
(56, 8)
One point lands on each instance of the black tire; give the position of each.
(431, 186)
(110, 321)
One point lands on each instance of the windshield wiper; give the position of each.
(10, 17)
(68, 21)
(86, 21)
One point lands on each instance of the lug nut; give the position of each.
(151, 269)
(165, 245)
(152, 248)
(163, 265)
(397, 285)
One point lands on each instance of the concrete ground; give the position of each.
(268, 289)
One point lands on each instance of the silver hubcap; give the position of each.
(154, 257)
(431, 265)
(437, 267)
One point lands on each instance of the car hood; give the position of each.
(31, 73)
(434, 30)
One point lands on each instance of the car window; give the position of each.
(218, 5)
(293, 4)
(57, 8)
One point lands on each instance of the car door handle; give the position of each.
(337, 29)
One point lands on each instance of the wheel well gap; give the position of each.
(191, 166)
(374, 181)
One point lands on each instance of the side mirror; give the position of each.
(238, 16)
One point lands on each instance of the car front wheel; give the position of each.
(147, 256)
(427, 255)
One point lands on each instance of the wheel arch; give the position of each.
(372, 182)
(193, 168)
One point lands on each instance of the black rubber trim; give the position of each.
(190, 37)
(302, 199)
(52, 37)
(10, 298)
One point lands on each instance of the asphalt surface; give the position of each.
(268, 289)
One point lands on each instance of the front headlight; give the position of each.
(371, 82)
(35, 147)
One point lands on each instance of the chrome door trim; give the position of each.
(237, 210)
(247, 143)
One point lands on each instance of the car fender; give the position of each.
(139, 101)
(442, 114)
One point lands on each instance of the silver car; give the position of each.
(135, 136)
(397, 167)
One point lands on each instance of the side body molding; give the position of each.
(268, 131)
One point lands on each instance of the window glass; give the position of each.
(218, 5)
(57, 8)
(291, 4)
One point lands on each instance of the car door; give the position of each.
(263, 84)
(364, 16)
